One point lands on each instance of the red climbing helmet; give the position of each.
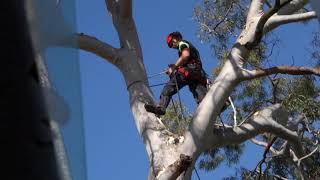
(171, 36)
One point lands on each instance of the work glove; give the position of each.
(171, 69)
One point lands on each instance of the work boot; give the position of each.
(155, 109)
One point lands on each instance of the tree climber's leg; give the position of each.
(168, 91)
(198, 89)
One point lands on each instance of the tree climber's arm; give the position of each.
(183, 58)
(185, 53)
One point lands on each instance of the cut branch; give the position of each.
(292, 70)
(95, 46)
(173, 171)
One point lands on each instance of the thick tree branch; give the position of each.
(256, 8)
(262, 21)
(210, 107)
(95, 46)
(121, 13)
(120, 8)
(247, 74)
(126, 8)
(270, 120)
(111, 6)
(263, 121)
(278, 20)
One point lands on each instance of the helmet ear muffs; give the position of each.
(172, 35)
(169, 40)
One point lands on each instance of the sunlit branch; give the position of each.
(256, 7)
(292, 70)
(262, 21)
(234, 112)
(308, 155)
(278, 20)
(263, 121)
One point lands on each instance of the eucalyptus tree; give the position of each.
(173, 156)
(219, 23)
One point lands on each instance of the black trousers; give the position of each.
(196, 86)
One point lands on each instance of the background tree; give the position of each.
(169, 158)
(219, 22)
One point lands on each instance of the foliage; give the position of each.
(220, 22)
(177, 118)
(214, 157)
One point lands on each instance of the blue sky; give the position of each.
(114, 150)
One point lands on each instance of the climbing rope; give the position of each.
(180, 103)
(195, 169)
(177, 88)
(157, 74)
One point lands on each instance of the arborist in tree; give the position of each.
(186, 71)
